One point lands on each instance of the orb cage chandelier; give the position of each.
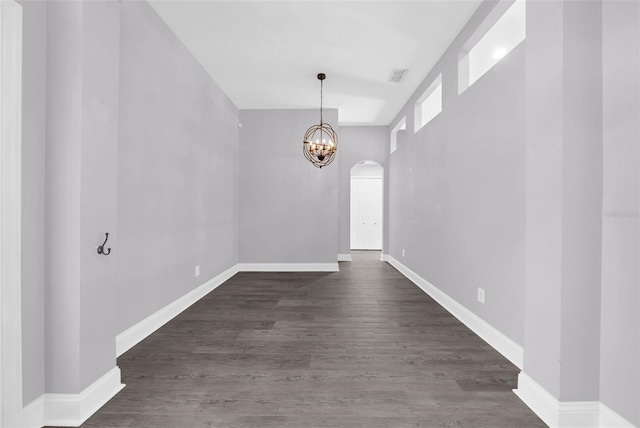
(320, 142)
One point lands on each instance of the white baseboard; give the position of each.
(566, 414)
(384, 257)
(136, 333)
(344, 257)
(548, 408)
(500, 342)
(33, 414)
(555, 413)
(72, 410)
(289, 267)
(578, 414)
(610, 419)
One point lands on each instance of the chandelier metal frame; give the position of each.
(320, 142)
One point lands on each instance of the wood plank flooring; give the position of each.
(359, 348)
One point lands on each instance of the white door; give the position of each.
(366, 213)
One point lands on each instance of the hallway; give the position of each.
(362, 347)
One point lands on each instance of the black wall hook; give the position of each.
(101, 247)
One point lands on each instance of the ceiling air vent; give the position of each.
(397, 75)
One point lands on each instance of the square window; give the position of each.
(429, 104)
(507, 30)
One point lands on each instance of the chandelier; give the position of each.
(320, 142)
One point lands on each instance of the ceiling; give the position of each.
(266, 54)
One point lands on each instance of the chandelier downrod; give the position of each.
(321, 77)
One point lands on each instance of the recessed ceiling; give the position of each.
(266, 54)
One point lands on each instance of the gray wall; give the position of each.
(168, 191)
(457, 188)
(177, 170)
(288, 208)
(582, 200)
(34, 68)
(99, 187)
(81, 171)
(63, 183)
(360, 143)
(564, 197)
(544, 196)
(152, 159)
(620, 323)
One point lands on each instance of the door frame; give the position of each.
(383, 178)
(10, 213)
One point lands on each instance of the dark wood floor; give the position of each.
(363, 347)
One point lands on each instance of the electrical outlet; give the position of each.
(197, 270)
(481, 295)
(403, 252)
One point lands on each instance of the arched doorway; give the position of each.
(366, 205)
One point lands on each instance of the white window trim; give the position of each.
(400, 126)
(417, 121)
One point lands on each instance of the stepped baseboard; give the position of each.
(610, 419)
(33, 413)
(344, 257)
(507, 347)
(289, 267)
(72, 410)
(133, 335)
(553, 412)
(566, 414)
